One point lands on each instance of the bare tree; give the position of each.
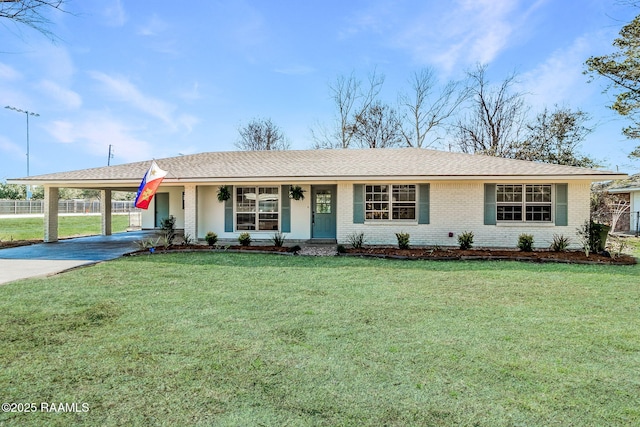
(377, 127)
(32, 13)
(351, 100)
(554, 137)
(497, 119)
(261, 134)
(425, 111)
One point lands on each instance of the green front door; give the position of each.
(161, 207)
(323, 214)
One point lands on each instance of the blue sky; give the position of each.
(156, 79)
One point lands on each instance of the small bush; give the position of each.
(465, 240)
(244, 239)
(356, 240)
(560, 243)
(403, 240)
(278, 239)
(341, 249)
(525, 242)
(211, 238)
(187, 240)
(168, 227)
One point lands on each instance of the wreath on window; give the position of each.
(224, 193)
(296, 193)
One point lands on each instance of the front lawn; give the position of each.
(68, 226)
(247, 339)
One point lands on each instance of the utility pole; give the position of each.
(110, 155)
(27, 113)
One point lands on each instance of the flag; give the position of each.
(149, 185)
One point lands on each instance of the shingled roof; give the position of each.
(322, 165)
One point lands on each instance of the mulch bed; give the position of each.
(16, 243)
(573, 257)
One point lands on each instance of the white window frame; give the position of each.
(262, 210)
(522, 190)
(378, 195)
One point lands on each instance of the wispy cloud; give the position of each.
(115, 14)
(61, 95)
(560, 78)
(469, 32)
(123, 90)
(96, 131)
(153, 27)
(8, 73)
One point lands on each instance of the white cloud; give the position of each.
(472, 31)
(8, 73)
(10, 148)
(95, 132)
(115, 14)
(192, 94)
(153, 27)
(560, 78)
(62, 96)
(122, 89)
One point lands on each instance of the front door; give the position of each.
(323, 214)
(162, 207)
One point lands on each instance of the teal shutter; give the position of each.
(285, 205)
(562, 203)
(358, 203)
(228, 212)
(423, 204)
(489, 204)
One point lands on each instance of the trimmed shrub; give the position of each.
(211, 238)
(465, 240)
(244, 239)
(403, 240)
(525, 242)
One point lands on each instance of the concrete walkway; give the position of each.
(44, 259)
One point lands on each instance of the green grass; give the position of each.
(68, 226)
(247, 339)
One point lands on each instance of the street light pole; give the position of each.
(27, 113)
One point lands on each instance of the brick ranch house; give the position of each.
(432, 195)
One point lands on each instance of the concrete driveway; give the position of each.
(44, 259)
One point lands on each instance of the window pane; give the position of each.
(246, 199)
(404, 211)
(539, 193)
(509, 193)
(404, 193)
(268, 199)
(323, 202)
(539, 213)
(246, 221)
(509, 213)
(268, 221)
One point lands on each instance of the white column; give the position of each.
(191, 210)
(50, 214)
(105, 211)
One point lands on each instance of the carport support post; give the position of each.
(105, 211)
(51, 195)
(191, 211)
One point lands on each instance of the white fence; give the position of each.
(15, 207)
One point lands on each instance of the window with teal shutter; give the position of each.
(562, 203)
(228, 212)
(489, 204)
(423, 204)
(358, 203)
(285, 224)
